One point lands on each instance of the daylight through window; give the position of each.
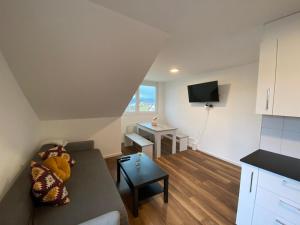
(144, 100)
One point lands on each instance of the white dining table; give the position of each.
(158, 131)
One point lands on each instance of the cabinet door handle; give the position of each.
(268, 99)
(289, 185)
(290, 205)
(251, 181)
(280, 222)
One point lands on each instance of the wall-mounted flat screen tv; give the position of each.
(205, 92)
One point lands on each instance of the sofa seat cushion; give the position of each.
(92, 191)
(16, 207)
(111, 218)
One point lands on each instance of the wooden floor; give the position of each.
(202, 190)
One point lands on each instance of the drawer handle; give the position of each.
(288, 184)
(279, 222)
(267, 99)
(251, 181)
(289, 205)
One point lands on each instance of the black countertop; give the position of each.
(283, 165)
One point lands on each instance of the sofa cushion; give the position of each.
(57, 151)
(79, 146)
(111, 218)
(59, 166)
(47, 187)
(92, 191)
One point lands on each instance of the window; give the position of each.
(144, 100)
(132, 105)
(147, 101)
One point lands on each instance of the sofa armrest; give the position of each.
(80, 146)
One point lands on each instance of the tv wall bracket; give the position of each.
(207, 105)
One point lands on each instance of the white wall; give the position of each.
(231, 129)
(129, 120)
(105, 131)
(281, 135)
(19, 128)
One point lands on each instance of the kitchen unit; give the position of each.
(279, 68)
(269, 190)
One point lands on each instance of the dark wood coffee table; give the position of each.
(142, 179)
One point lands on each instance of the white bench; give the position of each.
(146, 145)
(181, 139)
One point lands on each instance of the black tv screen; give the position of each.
(205, 92)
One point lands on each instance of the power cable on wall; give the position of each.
(198, 140)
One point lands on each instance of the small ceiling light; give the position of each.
(174, 70)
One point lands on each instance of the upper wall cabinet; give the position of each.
(278, 90)
(267, 76)
(287, 94)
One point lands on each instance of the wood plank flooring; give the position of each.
(202, 190)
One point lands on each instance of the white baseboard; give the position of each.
(112, 155)
(222, 158)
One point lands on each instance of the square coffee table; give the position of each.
(142, 178)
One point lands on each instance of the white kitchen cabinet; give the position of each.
(279, 69)
(287, 95)
(267, 76)
(248, 185)
(278, 204)
(269, 190)
(267, 198)
(263, 216)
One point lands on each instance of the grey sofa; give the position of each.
(93, 194)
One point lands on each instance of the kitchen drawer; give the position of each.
(263, 216)
(278, 205)
(280, 185)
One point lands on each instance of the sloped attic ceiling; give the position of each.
(74, 58)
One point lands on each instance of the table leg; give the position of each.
(166, 190)
(135, 202)
(157, 138)
(174, 143)
(118, 171)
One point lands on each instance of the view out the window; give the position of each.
(147, 98)
(132, 105)
(144, 100)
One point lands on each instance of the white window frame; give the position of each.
(137, 94)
